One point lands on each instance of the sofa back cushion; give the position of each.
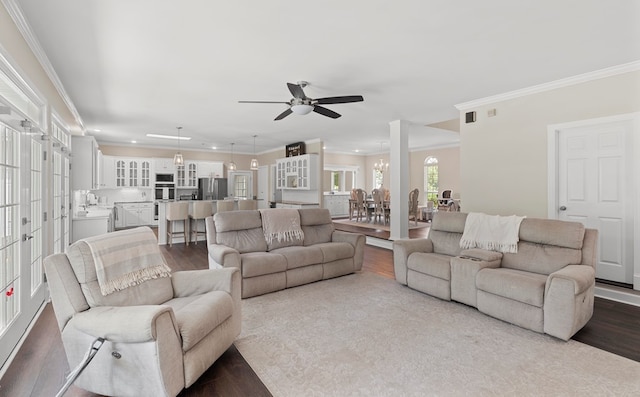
(317, 225)
(446, 232)
(151, 292)
(546, 245)
(241, 230)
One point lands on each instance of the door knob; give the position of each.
(562, 208)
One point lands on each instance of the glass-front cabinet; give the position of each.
(132, 172)
(187, 175)
(297, 172)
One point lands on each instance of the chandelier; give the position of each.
(381, 166)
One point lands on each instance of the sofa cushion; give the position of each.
(446, 243)
(552, 232)
(198, 315)
(435, 265)
(521, 286)
(151, 292)
(542, 259)
(317, 225)
(452, 222)
(300, 256)
(335, 251)
(261, 263)
(240, 230)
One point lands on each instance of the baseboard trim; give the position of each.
(617, 295)
(378, 242)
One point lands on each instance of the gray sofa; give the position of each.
(547, 286)
(236, 239)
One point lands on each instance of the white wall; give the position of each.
(503, 159)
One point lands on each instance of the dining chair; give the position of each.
(413, 205)
(379, 209)
(360, 207)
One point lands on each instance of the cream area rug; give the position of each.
(365, 335)
(379, 225)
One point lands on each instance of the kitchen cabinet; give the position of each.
(134, 214)
(337, 204)
(210, 169)
(164, 165)
(187, 175)
(133, 172)
(297, 172)
(107, 172)
(84, 167)
(293, 205)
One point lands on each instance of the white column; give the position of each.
(399, 164)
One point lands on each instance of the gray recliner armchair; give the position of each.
(161, 334)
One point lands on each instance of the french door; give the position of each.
(21, 234)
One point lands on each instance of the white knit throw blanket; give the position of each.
(126, 258)
(491, 232)
(281, 224)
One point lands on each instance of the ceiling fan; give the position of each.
(302, 104)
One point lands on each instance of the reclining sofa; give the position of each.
(236, 239)
(547, 286)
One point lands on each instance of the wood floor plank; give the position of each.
(40, 365)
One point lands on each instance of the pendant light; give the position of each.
(232, 165)
(178, 159)
(254, 161)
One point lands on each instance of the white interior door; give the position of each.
(263, 186)
(595, 187)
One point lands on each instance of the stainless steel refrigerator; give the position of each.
(212, 188)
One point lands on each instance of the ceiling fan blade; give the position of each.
(296, 91)
(325, 112)
(283, 114)
(287, 103)
(339, 99)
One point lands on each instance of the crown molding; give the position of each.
(15, 12)
(578, 79)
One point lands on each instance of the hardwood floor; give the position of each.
(40, 365)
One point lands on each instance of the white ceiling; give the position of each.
(148, 66)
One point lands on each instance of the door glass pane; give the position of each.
(57, 202)
(36, 216)
(9, 226)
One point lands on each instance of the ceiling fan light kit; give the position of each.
(301, 104)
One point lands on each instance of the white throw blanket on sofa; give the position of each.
(126, 258)
(281, 224)
(491, 232)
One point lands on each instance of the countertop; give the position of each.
(296, 202)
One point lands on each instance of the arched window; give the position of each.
(431, 179)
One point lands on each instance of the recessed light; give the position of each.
(134, 141)
(213, 147)
(357, 150)
(182, 138)
(97, 130)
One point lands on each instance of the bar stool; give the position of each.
(224, 205)
(247, 204)
(177, 211)
(199, 210)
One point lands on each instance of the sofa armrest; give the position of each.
(358, 242)
(126, 324)
(568, 300)
(401, 251)
(223, 256)
(580, 278)
(482, 255)
(198, 282)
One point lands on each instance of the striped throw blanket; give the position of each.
(126, 258)
(491, 232)
(281, 224)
